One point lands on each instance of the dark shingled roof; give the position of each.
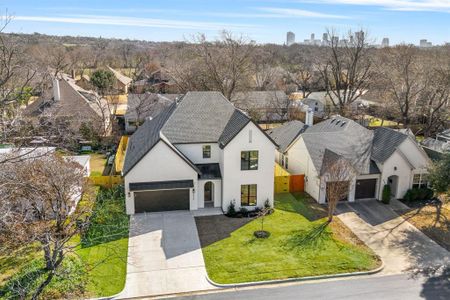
(343, 137)
(161, 185)
(143, 140)
(385, 142)
(286, 134)
(200, 117)
(237, 121)
(209, 171)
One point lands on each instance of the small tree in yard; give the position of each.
(261, 215)
(338, 173)
(439, 176)
(103, 80)
(38, 206)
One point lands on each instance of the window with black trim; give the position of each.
(248, 195)
(206, 151)
(249, 160)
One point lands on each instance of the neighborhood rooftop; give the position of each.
(342, 136)
(286, 134)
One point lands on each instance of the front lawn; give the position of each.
(98, 263)
(299, 245)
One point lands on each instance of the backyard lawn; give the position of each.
(101, 254)
(98, 162)
(299, 245)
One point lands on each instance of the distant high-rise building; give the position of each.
(425, 43)
(313, 36)
(290, 38)
(325, 37)
(385, 42)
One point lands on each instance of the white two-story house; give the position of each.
(199, 152)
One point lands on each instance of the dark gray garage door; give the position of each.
(162, 200)
(365, 188)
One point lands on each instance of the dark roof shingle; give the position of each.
(385, 142)
(287, 133)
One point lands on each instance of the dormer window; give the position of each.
(206, 151)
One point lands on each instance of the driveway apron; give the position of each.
(164, 255)
(401, 246)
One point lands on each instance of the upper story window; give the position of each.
(249, 160)
(206, 151)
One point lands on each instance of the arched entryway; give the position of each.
(393, 184)
(209, 193)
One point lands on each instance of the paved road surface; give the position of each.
(392, 287)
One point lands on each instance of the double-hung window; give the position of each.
(206, 151)
(248, 195)
(249, 160)
(420, 180)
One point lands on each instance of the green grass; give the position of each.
(299, 245)
(102, 251)
(97, 163)
(104, 247)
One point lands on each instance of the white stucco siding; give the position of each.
(300, 163)
(232, 175)
(160, 164)
(195, 152)
(396, 165)
(217, 192)
(415, 155)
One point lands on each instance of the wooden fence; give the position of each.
(286, 182)
(106, 181)
(120, 154)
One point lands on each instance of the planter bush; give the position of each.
(386, 196)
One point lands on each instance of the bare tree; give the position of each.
(404, 81)
(305, 77)
(39, 206)
(337, 173)
(347, 70)
(223, 65)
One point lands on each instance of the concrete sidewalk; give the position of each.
(401, 246)
(164, 255)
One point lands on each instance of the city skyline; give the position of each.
(264, 21)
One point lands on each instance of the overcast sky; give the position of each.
(261, 20)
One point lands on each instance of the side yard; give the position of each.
(300, 244)
(433, 221)
(96, 267)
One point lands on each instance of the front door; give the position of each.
(208, 194)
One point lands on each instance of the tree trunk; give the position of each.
(41, 287)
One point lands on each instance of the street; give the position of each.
(373, 288)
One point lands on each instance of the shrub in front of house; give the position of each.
(231, 211)
(418, 194)
(386, 196)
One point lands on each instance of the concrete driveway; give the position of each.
(164, 255)
(402, 247)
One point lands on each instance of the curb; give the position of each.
(297, 279)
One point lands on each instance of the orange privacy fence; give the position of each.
(287, 183)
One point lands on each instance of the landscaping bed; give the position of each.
(300, 244)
